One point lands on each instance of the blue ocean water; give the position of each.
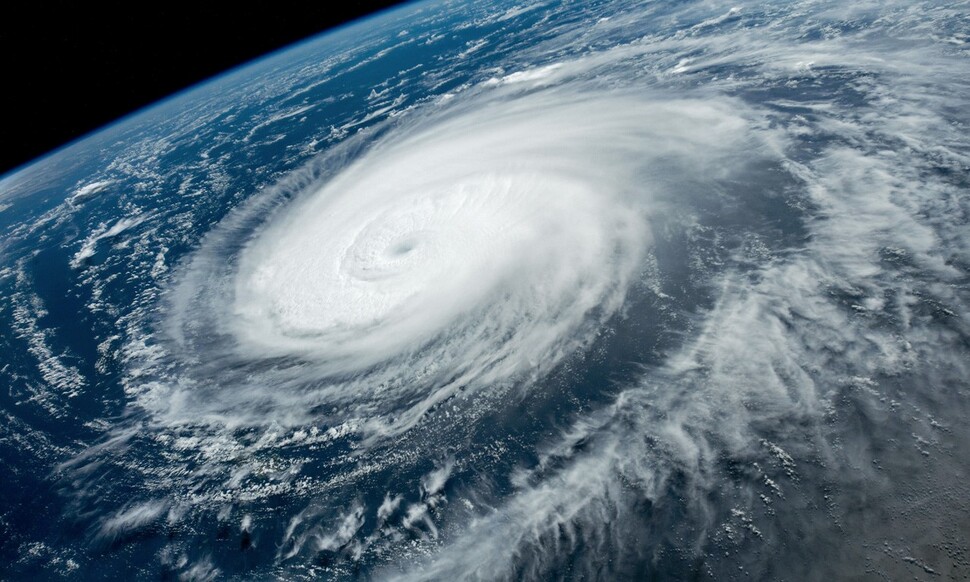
(702, 312)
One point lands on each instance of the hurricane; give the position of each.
(545, 292)
(472, 252)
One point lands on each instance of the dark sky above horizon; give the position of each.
(70, 68)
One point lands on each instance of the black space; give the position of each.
(70, 68)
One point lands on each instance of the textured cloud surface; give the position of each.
(619, 291)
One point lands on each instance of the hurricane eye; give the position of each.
(404, 247)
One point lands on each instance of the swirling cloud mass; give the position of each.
(602, 292)
(479, 249)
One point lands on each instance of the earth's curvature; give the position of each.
(483, 290)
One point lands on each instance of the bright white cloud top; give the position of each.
(476, 247)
